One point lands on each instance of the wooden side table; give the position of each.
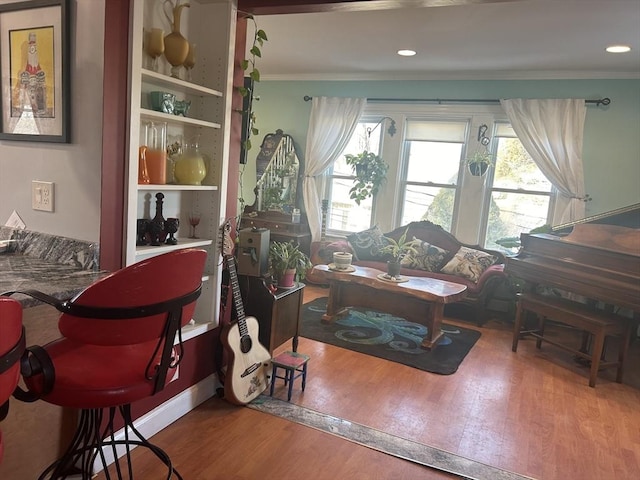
(278, 312)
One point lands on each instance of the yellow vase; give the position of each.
(176, 47)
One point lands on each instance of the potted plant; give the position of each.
(287, 262)
(370, 171)
(479, 162)
(396, 250)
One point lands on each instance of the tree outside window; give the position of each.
(520, 197)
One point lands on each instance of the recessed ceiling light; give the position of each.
(618, 48)
(406, 53)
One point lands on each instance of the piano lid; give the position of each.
(624, 217)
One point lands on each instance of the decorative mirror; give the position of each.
(277, 174)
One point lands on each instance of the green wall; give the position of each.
(611, 138)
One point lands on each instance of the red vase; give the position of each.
(287, 279)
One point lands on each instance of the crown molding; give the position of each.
(423, 76)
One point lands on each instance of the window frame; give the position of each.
(470, 215)
(552, 194)
(329, 176)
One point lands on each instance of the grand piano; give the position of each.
(595, 261)
(597, 258)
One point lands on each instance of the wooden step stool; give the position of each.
(597, 322)
(294, 365)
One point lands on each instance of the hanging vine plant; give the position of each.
(370, 172)
(248, 65)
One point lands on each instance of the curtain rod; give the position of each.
(601, 101)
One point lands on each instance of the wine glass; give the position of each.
(171, 225)
(190, 61)
(194, 221)
(155, 46)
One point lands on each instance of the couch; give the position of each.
(438, 254)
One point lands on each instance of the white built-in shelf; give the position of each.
(194, 329)
(180, 188)
(177, 84)
(176, 119)
(182, 243)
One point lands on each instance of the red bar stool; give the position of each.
(117, 347)
(294, 365)
(12, 346)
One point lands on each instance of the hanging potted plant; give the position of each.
(370, 172)
(396, 250)
(479, 163)
(287, 262)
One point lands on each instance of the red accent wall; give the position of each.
(114, 133)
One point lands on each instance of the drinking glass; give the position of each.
(155, 46)
(194, 221)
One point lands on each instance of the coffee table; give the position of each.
(418, 299)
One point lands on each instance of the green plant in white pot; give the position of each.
(396, 250)
(287, 262)
(370, 171)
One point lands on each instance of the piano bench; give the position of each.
(598, 323)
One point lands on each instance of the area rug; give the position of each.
(387, 336)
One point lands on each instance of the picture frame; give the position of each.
(35, 71)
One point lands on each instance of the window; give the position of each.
(520, 197)
(428, 178)
(344, 214)
(433, 152)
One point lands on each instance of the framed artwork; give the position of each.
(34, 71)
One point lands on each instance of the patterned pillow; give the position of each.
(469, 263)
(426, 256)
(366, 245)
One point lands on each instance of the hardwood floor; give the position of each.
(530, 412)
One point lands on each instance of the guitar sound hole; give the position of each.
(245, 343)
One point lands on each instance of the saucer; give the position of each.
(332, 267)
(385, 277)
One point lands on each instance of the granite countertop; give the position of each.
(24, 272)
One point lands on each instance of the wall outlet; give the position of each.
(42, 196)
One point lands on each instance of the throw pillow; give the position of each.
(426, 256)
(469, 263)
(366, 245)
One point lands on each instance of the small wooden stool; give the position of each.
(294, 365)
(598, 323)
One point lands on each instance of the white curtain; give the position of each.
(552, 131)
(331, 125)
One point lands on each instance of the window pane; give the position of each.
(366, 137)
(429, 203)
(433, 162)
(513, 213)
(515, 168)
(344, 214)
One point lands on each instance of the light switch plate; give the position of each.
(42, 195)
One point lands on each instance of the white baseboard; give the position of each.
(165, 414)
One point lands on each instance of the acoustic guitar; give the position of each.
(314, 256)
(248, 360)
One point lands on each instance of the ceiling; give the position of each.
(484, 39)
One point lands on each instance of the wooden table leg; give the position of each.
(344, 295)
(434, 324)
(334, 309)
